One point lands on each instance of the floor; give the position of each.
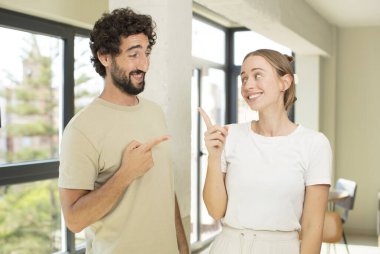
(358, 244)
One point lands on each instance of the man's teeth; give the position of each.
(138, 75)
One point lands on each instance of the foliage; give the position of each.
(37, 204)
(30, 213)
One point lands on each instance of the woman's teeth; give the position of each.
(253, 96)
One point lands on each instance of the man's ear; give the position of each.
(286, 81)
(105, 59)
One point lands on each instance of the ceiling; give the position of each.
(348, 13)
(341, 13)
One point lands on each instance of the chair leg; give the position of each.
(345, 242)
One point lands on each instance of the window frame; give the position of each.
(15, 173)
(200, 65)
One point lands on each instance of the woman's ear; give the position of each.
(105, 59)
(286, 81)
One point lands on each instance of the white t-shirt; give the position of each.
(266, 176)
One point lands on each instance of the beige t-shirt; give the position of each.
(143, 221)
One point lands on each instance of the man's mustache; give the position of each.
(137, 72)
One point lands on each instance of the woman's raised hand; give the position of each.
(215, 135)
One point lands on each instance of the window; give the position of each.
(38, 92)
(208, 92)
(208, 42)
(88, 84)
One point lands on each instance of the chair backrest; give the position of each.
(332, 228)
(350, 187)
(348, 203)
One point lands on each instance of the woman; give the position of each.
(267, 179)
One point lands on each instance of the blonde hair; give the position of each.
(283, 65)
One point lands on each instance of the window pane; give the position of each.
(213, 102)
(208, 42)
(248, 41)
(30, 81)
(88, 83)
(30, 218)
(195, 194)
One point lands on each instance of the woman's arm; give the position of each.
(313, 216)
(214, 191)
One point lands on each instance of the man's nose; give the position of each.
(144, 63)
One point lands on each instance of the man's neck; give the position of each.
(114, 95)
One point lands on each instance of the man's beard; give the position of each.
(123, 82)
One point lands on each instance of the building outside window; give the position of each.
(39, 93)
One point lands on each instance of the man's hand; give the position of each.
(137, 158)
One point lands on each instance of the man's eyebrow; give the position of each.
(134, 47)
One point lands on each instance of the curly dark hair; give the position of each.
(111, 27)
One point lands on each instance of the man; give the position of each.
(115, 176)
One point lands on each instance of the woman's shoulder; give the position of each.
(312, 136)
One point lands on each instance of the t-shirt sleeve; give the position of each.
(78, 161)
(320, 165)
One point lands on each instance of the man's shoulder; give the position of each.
(87, 116)
(151, 106)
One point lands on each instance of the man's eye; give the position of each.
(133, 55)
(258, 76)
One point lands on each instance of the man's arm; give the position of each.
(82, 208)
(183, 246)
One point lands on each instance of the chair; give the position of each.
(346, 204)
(332, 229)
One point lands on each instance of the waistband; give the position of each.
(260, 234)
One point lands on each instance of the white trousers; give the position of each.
(246, 241)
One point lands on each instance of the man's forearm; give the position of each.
(86, 208)
(183, 246)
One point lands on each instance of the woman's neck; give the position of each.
(272, 125)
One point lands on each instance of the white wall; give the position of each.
(307, 91)
(358, 120)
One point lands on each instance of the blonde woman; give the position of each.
(267, 180)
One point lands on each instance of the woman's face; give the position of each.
(261, 86)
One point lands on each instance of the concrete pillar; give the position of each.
(168, 82)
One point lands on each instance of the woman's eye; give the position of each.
(244, 80)
(258, 76)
